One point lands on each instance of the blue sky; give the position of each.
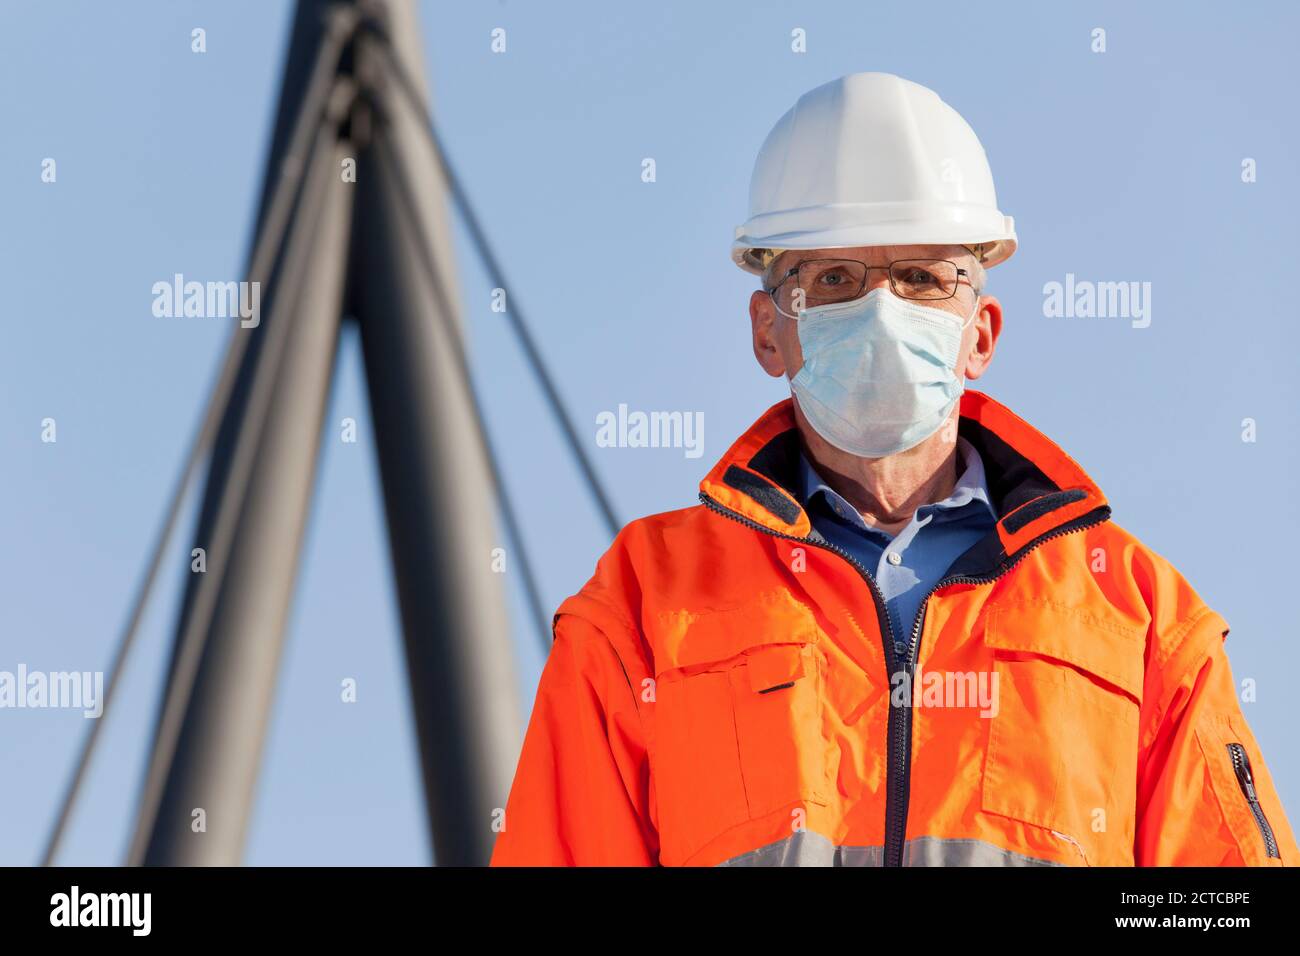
(1118, 166)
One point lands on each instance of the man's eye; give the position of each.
(832, 280)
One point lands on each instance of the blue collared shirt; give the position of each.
(907, 565)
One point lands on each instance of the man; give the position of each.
(900, 628)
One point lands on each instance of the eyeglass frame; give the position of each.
(771, 293)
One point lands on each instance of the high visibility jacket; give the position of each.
(726, 689)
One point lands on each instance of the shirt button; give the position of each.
(894, 558)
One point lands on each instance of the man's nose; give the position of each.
(877, 279)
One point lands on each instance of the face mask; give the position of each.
(879, 373)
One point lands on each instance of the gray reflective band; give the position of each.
(936, 851)
(805, 848)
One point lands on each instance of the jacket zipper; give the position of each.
(899, 732)
(1246, 780)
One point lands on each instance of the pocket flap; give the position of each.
(773, 619)
(1105, 647)
(774, 666)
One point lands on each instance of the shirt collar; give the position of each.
(971, 487)
(971, 484)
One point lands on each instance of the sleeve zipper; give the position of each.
(1241, 766)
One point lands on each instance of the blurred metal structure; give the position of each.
(352, 223)
(342, 252)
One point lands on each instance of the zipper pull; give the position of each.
(1241, 764)
(1248, 782)
(900, 650)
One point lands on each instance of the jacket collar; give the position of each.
(1037, 490)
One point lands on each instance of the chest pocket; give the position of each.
(1062, 748)
(738, 724)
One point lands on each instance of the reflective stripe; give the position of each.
(801, 848)
(936, 851)
(805, 848)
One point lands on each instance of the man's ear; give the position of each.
(763, 323)
(988, 327)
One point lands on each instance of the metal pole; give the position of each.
(436, 480)
(258, 506)
(451, 331)
(284, 178)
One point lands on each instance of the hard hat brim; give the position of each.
(938, 225)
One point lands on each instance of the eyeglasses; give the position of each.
(827, 281)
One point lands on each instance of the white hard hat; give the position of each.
(871, 159)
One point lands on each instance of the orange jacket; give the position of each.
(720, 692)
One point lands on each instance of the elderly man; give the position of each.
(900, 628)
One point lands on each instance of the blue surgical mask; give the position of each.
(879, 372)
